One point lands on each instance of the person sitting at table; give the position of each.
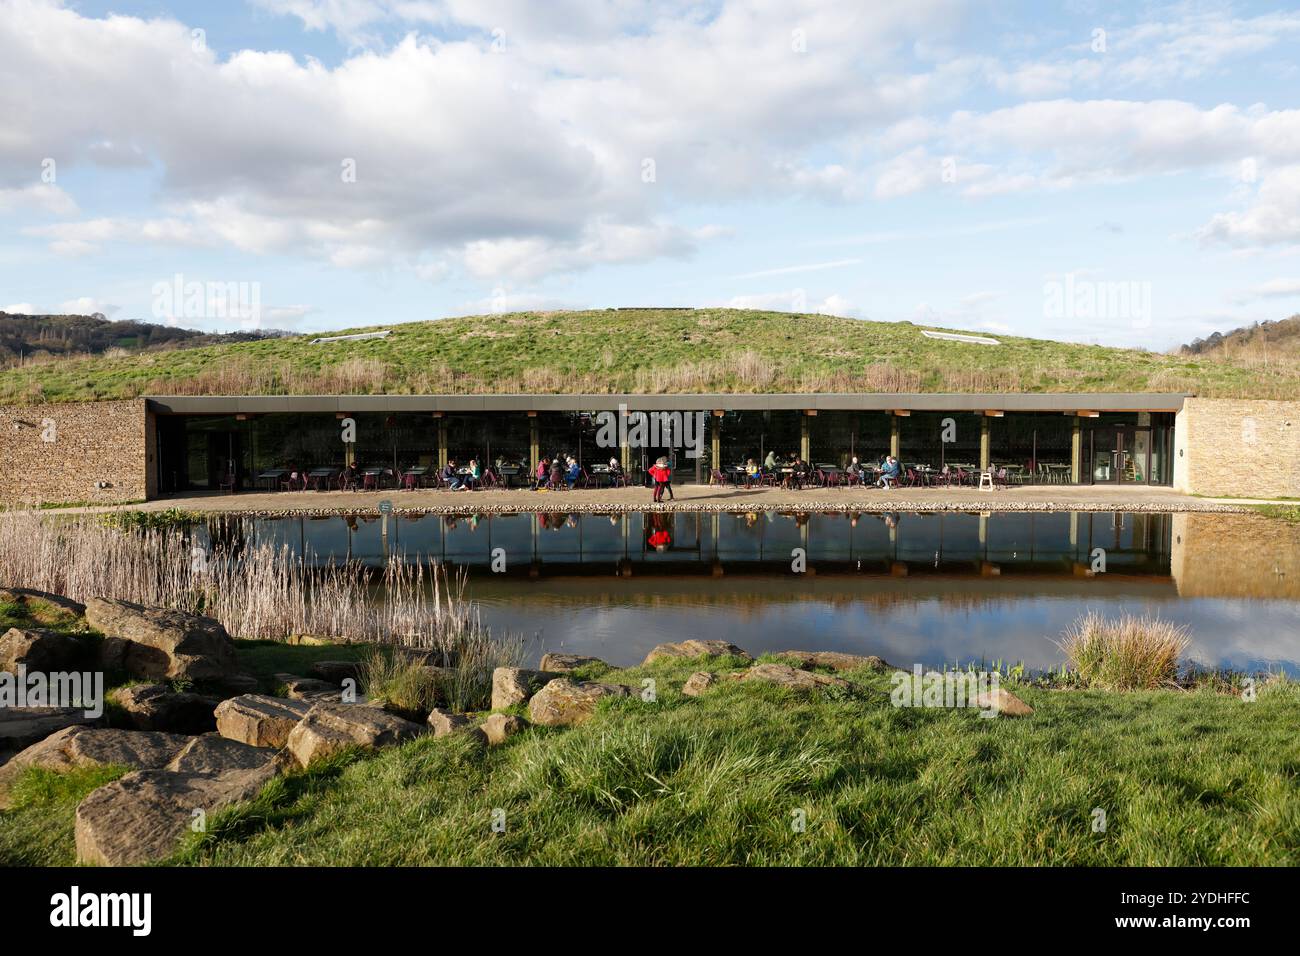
(449, 475)
(557, 473)
(890, 472)
(472, 475)
(348, 477)
(539, 476)
(615, 471)
(769, 463)
(571, 476)
(752, 473)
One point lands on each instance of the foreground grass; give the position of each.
(37, 829)
(1184, 779)
(656, 351)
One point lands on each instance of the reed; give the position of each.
(255, 589)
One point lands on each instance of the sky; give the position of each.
(1123, 174)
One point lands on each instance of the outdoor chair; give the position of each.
(716, 477)
(410, 481)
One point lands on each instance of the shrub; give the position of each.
(1130, 653)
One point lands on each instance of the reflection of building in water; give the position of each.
(1231, 555)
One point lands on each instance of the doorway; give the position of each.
(1121, 455)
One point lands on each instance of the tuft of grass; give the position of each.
(1128, 653)
(404, 685)
(37, 829)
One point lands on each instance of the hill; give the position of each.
(1261, 342)
(39, 338)
(653, 351)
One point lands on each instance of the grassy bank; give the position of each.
(1197, 779)
(656, 351)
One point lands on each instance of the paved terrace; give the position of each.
(696, 498)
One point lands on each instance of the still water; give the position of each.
(925, 588)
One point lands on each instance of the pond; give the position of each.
(911, 588)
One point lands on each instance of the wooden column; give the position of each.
(805, 439)
(1076, 451)
(895, 439)
(534, 453)
(442, 442)
(984, 444)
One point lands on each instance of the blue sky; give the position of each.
(958, 164)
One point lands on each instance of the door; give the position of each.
(1121, 456)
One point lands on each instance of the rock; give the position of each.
(694, 648)
(698, 683)
(142, 817)
(786, 676)
(259, 720)
(834, 660)
(309, 688)
(161, 642)
(92, 746)
(1003, 702)
(443, 722)
(23, 726)
(213, 754)
(514, 685)
(158, 707)
(330, 728)
(336, 672)
(500, 726)
(232, 685)
(567, 663)
(41, 651)
(28, 596)
(564, 702)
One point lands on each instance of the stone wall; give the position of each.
(1242, 448)
(64, 452)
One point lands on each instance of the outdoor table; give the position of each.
(417, 473)
(272, 477)
(320, 477)
(507, 473)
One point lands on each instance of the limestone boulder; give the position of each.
(213, 754)
(309, 688)
(23, 726)
(336, 672)
(785, 676)
(329, 728)
(695, 648)
(498, 727)
(698, 683)
(834, 660)
(1004, 703)
(259, 720)
(564, 702)
(158, 707)
(41, 651)
(162, 643)
(515, 685)
(443, 722)
(567, 663)
(75, 747)
(142, 817)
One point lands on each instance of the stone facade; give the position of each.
(1243, 448)
(75, 452)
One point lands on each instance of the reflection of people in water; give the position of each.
(659, 531)
(890, 518)
(853, 519)
(800, 519)
(751, 519)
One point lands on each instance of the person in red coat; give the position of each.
(662, 476)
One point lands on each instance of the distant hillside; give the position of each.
(1263, 341)
(41, 337)
(651, 351)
